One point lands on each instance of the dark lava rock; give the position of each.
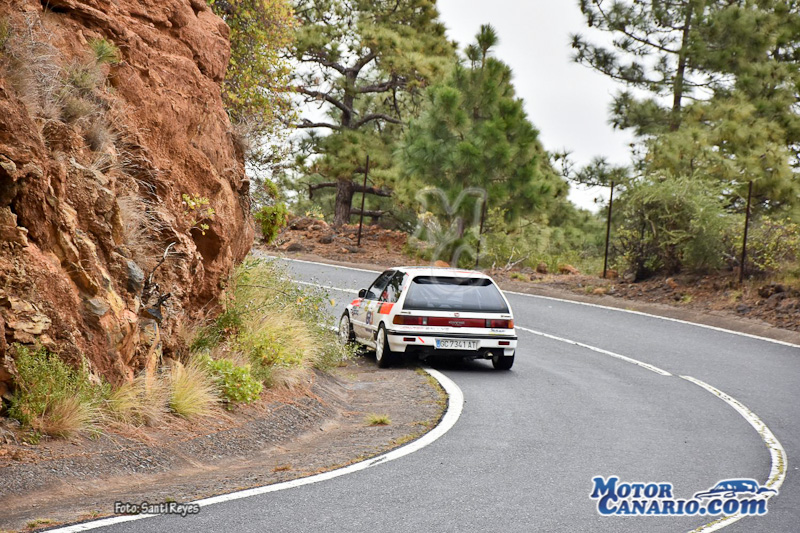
(296, 247)
(135, 277)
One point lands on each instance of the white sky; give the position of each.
(567, 102)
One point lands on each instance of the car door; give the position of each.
(364, 319)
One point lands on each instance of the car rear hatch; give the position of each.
(454, 306)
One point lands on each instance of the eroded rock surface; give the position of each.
(95, 157)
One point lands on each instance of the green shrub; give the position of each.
(226, 325)
(83, 78)
(236, 383)
(672, 224)
(773, 244)
(51, 396)
(104, 51)
(272, 219)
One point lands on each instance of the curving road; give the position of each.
(528, 443)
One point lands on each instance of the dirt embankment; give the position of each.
(110, 112)
(285, 436)
(757, 307)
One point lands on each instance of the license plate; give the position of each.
(456, 344)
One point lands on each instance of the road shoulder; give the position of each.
(293, 436)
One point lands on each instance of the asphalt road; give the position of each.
(529, 441)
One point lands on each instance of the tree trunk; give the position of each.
(677, 89)
(344, 199)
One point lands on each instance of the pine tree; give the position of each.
(655, 49)
(735, 63)
(475, 136)
(365, 63)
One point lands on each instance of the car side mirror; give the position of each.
(362, 293)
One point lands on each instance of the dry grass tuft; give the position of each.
(66, 417)
(142, 401)
(75, 108)
(98, 135)
(140, 222)
(192, 393)
(378, 420)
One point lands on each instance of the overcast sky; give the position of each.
(567, 102)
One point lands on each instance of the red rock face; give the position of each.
(91, 197)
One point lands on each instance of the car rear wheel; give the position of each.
(383, 353)
(503, 362)
(346, 335)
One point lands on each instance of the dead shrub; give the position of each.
(98, 135)
(141, 221)
(33, 66)
(75, 108)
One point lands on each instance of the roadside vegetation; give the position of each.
(708, 90)
(270, 334)
(378, 420)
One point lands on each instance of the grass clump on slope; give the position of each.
(271, 327)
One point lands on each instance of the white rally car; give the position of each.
(428, 311)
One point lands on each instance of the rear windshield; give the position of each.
(454, 294)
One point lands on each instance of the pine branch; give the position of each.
(307, 124)
(361, 63)
(386, 193)
(325, 96)
(319, 59)
(382, 87)
(376, 116)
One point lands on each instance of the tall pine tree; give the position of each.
(364, 63)
(723, 78)
(475, 135)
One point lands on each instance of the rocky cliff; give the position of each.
(111, 127)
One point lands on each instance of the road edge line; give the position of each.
(778, 457)
(648, 366)
(455, 406)
(576, 302)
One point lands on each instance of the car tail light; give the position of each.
(501, 324)
(410, 320)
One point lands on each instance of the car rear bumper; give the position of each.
(408, 341)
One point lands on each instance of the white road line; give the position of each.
(324, 264)
(777, 454)
(669, 319)
(598, 306)
(599, 350)
(326, 287)
(455, 404)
